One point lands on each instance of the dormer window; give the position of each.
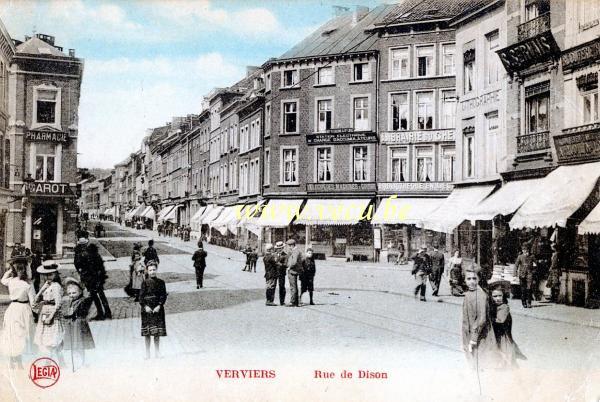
(46, 105)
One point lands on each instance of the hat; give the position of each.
(48, 267)
(72, 281)
(18, 258)
(291, 242)
(152, 262)
(279, 245)
(499, 284)
(82, 240)
(268, 247)
(424, 247)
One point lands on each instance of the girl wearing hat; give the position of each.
(75, 307)
(50, 331)
(18, 318)
(153, 296)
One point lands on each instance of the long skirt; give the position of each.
(49, 336)
(17, 329)
(154, 324)
(78, 335)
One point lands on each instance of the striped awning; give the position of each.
(148, 213)
(163, 212)
(407, 211)
(279, 213)
(344, 211)
(211, 215)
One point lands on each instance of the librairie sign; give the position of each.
(414, 187)
(58, 137)
(408, 137)
(341, 136)
(50, 189)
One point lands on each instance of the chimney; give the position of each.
(339, 10)
(71, 52)
(359, 13)
(46, 38)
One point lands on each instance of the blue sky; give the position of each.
(146, 61)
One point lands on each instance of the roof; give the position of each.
(339, 35)
(38, 47)
(411, 11)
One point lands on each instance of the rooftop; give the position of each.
(411, 11)
(38, 47)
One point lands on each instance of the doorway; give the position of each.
(594, 270)
(43, 228)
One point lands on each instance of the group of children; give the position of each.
(251, 259)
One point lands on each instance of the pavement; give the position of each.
(365, 320)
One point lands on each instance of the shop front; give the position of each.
(224, 229)
(275, 219)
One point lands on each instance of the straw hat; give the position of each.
(72, 281)
(48, 267)
(279, 245)
(82, 240)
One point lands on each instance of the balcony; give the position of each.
(534, 27)
(533, 142)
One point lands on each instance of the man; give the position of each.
(526, 267)
(271, 274)
(150, 253)
(437, 269)
(307, 277)
(294, 268)
(199, 259)
(93, 275)
(80, 254)
(247, 252)
(421, 269)
(280, 261)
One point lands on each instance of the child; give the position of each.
(502, 324)
(456, 275)
(78, 336)
(137, 271)
(153, 296)
(253, 257)
(307, 276)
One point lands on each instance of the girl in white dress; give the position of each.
(50, 330)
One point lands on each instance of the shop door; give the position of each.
(43, 226)
(594, 266)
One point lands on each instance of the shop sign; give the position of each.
(578, 145)
(492, 97)
(531, 51)
(339, 187)
(415, 187)
(50, 189)
(581, 55)
(58, 137)
(410, 137)
(342, 137)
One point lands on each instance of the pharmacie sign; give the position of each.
(50, 189)
(57, 137)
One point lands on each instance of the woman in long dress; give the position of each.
(456, 274)
(50, 330)
(18, 319)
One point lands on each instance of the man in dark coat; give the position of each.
(307, 276)
(437, 270)
(93, 275)
(271, 274)
(421, 269)
(526, 268)
(280, 260)
(199, 259)
(150, 253)
(80, 254)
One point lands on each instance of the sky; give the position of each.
(146, 61)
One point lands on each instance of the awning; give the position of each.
(591, 223)
(198, 214)
(163, 212)
(560, 194)
(108, 211)
(171, 216)
(455, 208)
(408, 211)
(138, 211)
(279, 213)
(505, 201)
(333, 211)
(211, 215)
(148, 213)
(249, 219)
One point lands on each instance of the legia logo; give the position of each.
(44, 372)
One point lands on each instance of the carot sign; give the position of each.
(50, 189)
(44, 372)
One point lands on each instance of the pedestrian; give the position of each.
(80, 254)
(75, 307)
(153, 296)
(478, 338)
(253, 260)
(525, 266)
(421, 269)
(36, 261)
(401, 251)
(137, 271)
(280, 260)
(502, 325)
(49, 333)
(271, 274)
(150, 253)
(93, 277)
(247, 251)
(554, 275)
(457, 286)
(307, 277)
(17, 327)
(294, 268)
(159, 229)
(437, 269)
(199, 259)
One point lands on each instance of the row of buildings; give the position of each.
(39, 99)
(468, 124)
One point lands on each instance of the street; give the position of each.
(364, 320)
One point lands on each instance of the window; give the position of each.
(447, 162)
(324, 165)
(398, 164)
(254, 140)
(491, 138)
(45, 160)
(425, 66)
(325, 115)
(424, 110)
(448, 109)
(234, 172)
(290, 117)
(590, 106)
(469, 147)
(6, 176)
(267, 120)
(325, 76)
(290, 78)
(362, 72)
(469, 71)
(536, 8)
(361, 114)
(268, 82)
(231, 138)
(399, 111)
(537, 113)
(46, 105)
(359, 164)
(400, 66)
(267, 169)
(448, 66)
(290, 165)
(424, 160)
(492, 61)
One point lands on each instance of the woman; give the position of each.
(153, 296)
(50, 331)
(456, 274)
(554, 275)
(136, 271)
(18, 318)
